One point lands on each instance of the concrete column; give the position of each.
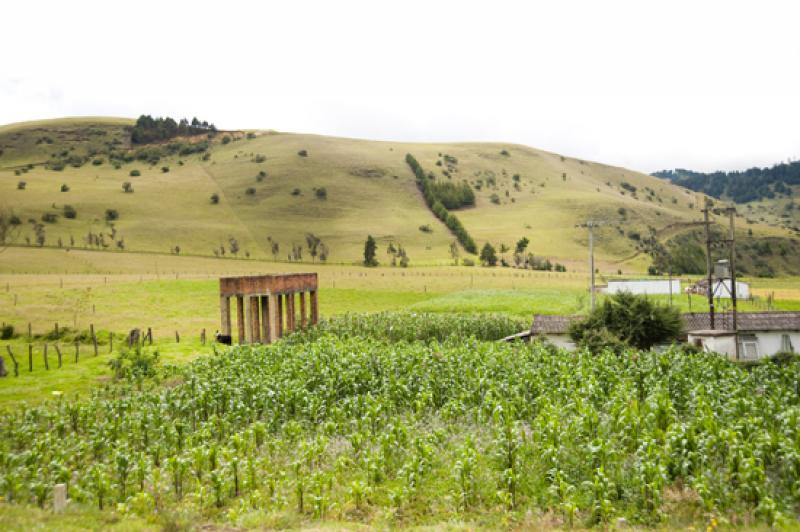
(225, 311)
(274, 317)
(255, 328)
(290, 314)
(265, 337)
(240, 318)
(314, 308)
(279, 300)
(303, 321)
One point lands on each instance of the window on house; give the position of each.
(786, 344)
(748, 347)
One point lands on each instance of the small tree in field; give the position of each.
(488, 255)
(454, 252)
(370, 248)
(630, 320)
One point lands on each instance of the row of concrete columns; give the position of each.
(265, 318)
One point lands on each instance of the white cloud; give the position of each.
(647, 85)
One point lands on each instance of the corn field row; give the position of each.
(361, 428)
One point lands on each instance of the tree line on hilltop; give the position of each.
(741, 186)
(149, 129)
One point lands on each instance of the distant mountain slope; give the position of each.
(741, 187)
(267, 194)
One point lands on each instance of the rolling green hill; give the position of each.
(278, 187)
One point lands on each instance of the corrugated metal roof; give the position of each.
(551, 324)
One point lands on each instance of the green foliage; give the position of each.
(49, 217)
(21, 185)
(303, 153)
(6, 331)
(226, 139)
(321, 193)
(631, 319)
(134, 364)
(741, 186)
(488, 255)
(362, 419)
(70, 212)
(426, 228)
(413, 326)
(127, 187)
(214, 198)
(111, 215)
(149, 129)
(64, 187)
(438, 208)
(135, 173)
(370, 249)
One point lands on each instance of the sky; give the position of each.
(648, 85)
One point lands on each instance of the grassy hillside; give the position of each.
(340, 190)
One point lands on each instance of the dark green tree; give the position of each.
(633, 320)
(370, 247)
(488, 255)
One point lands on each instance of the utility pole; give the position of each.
(591, 225)
(732, 261)
(709, 266)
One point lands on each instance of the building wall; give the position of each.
(562, 341)
(722, 289)
(645, 286)
(769, 343)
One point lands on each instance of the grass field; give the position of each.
(116, 292)
(369, 190)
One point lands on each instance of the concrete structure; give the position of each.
(266, 305)
(644, 286)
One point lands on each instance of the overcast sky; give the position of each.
(642, 84)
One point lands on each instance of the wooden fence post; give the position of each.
(30, 332)
(30, 357)
(56, 329)
(77, 350)
(58, 351)
(177, 337)
(3, 371)
(110, 342)
(203, 337)
(44, 354)
(150, 335)
(94, 337)
(14, 360)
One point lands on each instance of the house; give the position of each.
(643, 286)
(722, 289)
(760, 334)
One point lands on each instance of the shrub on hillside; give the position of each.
(127, 187)
(226, 139)
(165, 169)
(321, 193)
(250, 191)
(70, 212)
(135, 173)
(64, 187)
(296, 192)
(111, 215)
(21, 185)
(214, 198)
(97, 162)
(303, 153)
(49, 217)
